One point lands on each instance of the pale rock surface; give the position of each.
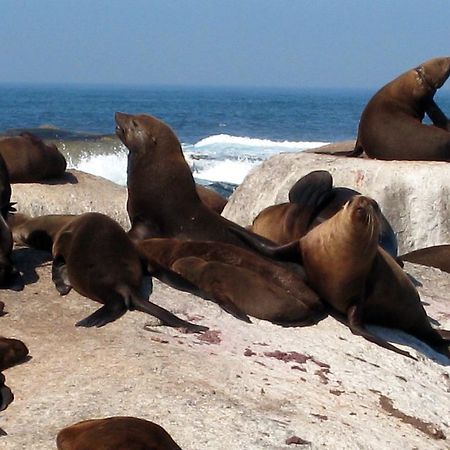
(413, 195)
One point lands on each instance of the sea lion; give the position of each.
(9, 276)
(37, 232)
(115, 433)
(391, 124)
(436, 256)
(211, 198)
(94, 255)
(162, 199)
(6, 396)
(240, 281)
(356, 277)
(312, 199)
(29, 159)
(12, 352)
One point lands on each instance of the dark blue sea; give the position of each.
(224, 131)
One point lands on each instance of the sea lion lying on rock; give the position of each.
(240, 281)
(347, 268)
(312, 199)
(391, 124)
(29, 159)
(115, 433)
(94, 255)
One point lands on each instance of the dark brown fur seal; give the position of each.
(345, 265)
(94, 255)
(29, 159)
(115, 433)
(437, 256)
(391, 124)
(312, 199)
(6, 396)
(240, 281)
(162, 199)
(37, 232)
(12, 352)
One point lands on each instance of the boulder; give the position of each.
(413, 195)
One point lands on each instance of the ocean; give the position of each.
(224, 132)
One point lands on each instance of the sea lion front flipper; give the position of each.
(436, 115)
(357, 327)
(290, 252)
(60, 276)
(309, 190)
(107, 313)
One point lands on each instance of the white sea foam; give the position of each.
(216, 158)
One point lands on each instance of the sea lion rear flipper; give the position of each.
(308, 190)
(60, 276)
(290, 252)
(107, 313)
(357, 327)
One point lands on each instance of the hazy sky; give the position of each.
(299, 43)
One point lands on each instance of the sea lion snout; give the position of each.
(363, 208)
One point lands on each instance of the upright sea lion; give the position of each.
(6, 396)
(347, 268)
(162, 199)
(437, 256)
(115, 433)
(391, 124)
(312, 199)
(94, 255)
(240, 281)
(29, 159)
(37, 232)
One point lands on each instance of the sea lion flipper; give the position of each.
(107, 313)
(357, 327)
(436, 115)
(309, 189)
(288, 252)
(60, 276)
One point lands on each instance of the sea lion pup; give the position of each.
(162, 199)
(391, 124)
(312, 199)
(115, 433)
(12, 352)
(347, 268)
(6, 396)
(240, 281)
(29, 159)
(94, 255)
(37, 232)
(211, 198)
(437, 256)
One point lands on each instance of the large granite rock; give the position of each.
(413, 195)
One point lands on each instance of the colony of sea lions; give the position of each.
(329, 249)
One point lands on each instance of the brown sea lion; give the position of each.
(12, 352)
(6, 396)
(240, 281)
(94, 255)
(29, 159)
(350, 271)
(391, 124)
(312, 199)
(162, 199)
(115, 433)
(211, 198)
(437, 256)
(37, 232)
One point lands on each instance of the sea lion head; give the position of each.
(434, 72)
(364, 214)
(143, 133)
(6, 396)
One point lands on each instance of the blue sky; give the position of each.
(282, 43)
